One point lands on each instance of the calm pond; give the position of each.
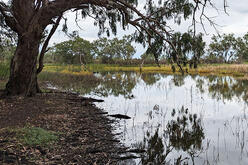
(177, 119)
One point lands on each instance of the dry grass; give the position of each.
(68, 69)
(236, 70)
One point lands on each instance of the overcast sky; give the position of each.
(235, 22)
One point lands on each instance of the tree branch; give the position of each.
(44, 47)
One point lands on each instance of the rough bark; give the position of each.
(23, 72)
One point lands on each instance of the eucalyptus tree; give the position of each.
(112, 50)
(30, 18)
(189, 47)
(224, 48)
(76, 50)
(103, 50)
(242, 47)
(124, 47)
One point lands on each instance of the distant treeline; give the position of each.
(190, 49)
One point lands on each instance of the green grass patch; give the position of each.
(34, 136)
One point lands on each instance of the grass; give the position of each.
(34, 136)
(236, 70)
(71, 69)
(30, 136)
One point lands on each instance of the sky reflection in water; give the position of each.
(219, 103)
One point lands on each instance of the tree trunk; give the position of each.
(23, 76)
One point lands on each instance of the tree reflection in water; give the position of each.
(178, 80)
(183, 135)
(149, 78)
(116, 84)
(123, 83)
(220, 98)
(223, 88)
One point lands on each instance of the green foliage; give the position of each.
(108, 51)
(187, 46)
(34, 136)
(178, 10)
(147, 56)
(80, 51)
(74, 51)
(226, 48)
(242, 47)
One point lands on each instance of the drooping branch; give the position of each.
(149, 27)
(155, 27)
(45, 45)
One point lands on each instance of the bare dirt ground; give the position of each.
(85, 133)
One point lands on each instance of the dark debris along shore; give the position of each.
(85, 132)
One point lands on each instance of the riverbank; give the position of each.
(235, 70)
(55, 128)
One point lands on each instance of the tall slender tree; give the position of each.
(30, 18)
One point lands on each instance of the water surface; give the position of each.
(178, 119)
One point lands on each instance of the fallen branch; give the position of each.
(120, 116)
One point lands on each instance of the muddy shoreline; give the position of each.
(85, 134)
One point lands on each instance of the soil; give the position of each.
(85, 132)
